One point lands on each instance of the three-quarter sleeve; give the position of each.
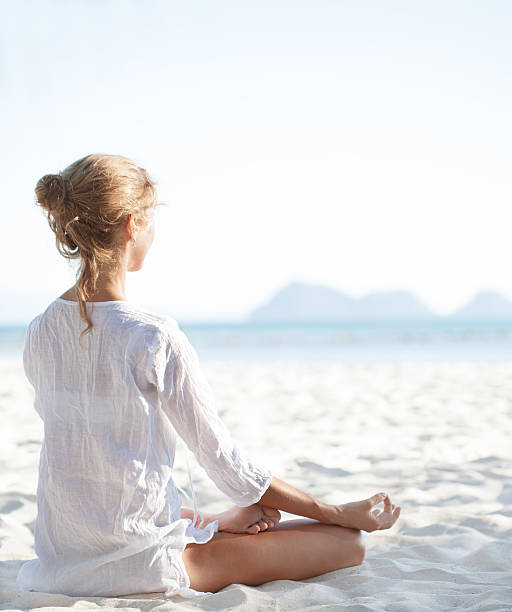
(188, 401)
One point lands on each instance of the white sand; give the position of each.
(437, 437)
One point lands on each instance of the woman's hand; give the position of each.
(359, 515)
(250, 519)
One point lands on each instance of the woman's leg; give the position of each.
(292, 550)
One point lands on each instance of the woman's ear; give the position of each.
(130, 226)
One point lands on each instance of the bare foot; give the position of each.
(250, 519)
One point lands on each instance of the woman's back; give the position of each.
(107, 502)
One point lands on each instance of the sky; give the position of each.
(365, 145)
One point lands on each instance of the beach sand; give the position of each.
(436, 437)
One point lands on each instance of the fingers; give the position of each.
(387, 504)
(388, 519)
(270, 512)
(271, 515)
(268, 518)
(376, 499)
(272, 520)
(259, 526)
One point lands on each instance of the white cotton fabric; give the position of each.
(108, 511)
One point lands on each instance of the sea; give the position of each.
(486, 341)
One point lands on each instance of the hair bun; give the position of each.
(51, 192)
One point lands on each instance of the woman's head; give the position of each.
(101, 210)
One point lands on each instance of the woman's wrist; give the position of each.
(330, 514)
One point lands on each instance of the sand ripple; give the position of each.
(436, 437)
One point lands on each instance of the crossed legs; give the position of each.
(292, 550)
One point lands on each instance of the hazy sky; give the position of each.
(364, 145)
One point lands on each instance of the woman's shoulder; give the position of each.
(32, 326)
(162, 328)
(159, 343)
(34, 322)
(163, 339)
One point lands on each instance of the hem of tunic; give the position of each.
(192, 535)
(174, 582)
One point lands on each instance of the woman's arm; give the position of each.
(187, 399)
(283, 496)
(357, 515)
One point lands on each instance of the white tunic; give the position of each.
(108, 511)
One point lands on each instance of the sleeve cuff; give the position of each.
(262, 477)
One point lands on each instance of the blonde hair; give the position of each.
(86, 205)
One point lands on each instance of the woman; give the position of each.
(115, 396)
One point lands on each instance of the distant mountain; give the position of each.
(392, 305)
(301, 302)
(486, 305)
(306, 302)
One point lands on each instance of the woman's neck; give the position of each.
(106, 290)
